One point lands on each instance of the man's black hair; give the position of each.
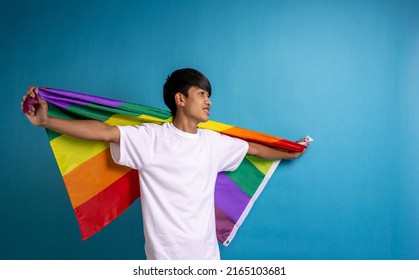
(181, 81)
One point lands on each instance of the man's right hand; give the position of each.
(37, 114)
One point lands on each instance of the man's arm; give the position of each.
(82, 129)
(266, 152)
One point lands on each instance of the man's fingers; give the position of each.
(31, 92)
(29, 101)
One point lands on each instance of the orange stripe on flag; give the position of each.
(250, 135)
(92, 176)
(104, 207)
(263, 138)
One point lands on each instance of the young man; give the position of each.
(178, 165)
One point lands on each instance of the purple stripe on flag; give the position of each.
(66, 98)
(61, 102)
(229, 197)
(224, 224)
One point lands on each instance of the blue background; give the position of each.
(344, 72)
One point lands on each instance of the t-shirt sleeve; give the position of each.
(132, 148)
(232, 151)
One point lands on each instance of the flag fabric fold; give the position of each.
(100, 190)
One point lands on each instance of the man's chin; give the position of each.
(204, 120)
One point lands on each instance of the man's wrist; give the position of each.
(46, 122)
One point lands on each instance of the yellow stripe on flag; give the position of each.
(70, 152)
(262, 165)
(216, 126)
(120, 120)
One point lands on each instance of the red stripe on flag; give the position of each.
(289, 146)
(104, 207)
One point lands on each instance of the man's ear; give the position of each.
(180, 99)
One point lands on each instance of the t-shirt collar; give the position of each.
(183, 133)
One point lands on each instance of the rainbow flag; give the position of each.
(100, 189)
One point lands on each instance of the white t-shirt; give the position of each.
(178, 171)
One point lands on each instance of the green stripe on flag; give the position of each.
(247, 176)
(145, 110)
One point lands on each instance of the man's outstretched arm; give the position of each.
(266, 152)
(82, 129)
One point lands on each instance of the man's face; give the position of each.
(197, 104)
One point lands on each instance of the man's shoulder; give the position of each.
(215, 135)
(223, 138)
(152, 125)
(143, 128)
(148, 126)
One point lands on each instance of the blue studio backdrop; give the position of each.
(344, 72)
